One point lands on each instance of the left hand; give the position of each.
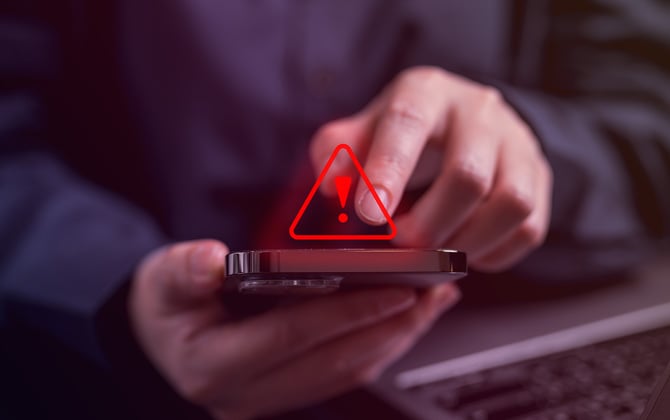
(289, 357)
(490, 184)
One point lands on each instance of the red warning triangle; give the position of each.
(315, 188)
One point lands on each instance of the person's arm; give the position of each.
(65, 245)
(602, 115)
(174, 349)
(587, 143)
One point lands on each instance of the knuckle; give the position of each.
(522, 131)
(422, 73)
(490, 96)
(473, 180)
(396, 163)
(517, 202)
(485, 109)
(403, 114)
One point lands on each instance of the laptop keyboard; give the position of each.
(610, 380)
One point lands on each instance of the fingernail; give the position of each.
(369, 208)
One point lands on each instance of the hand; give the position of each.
(490, 186)
(279, 360)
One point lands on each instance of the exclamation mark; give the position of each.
(343, 185)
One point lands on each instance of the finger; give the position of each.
(414, 110)
(354, 131)
(186, 273)
(348, 361)
(526, 237)
(471, 154)
(292, 330)
(512, 199)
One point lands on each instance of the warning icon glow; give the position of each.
(343, 187)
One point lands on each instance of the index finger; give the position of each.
(414, 111)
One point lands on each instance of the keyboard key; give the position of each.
(503, 407)
(493, 385)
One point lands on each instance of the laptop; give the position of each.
(586, 352)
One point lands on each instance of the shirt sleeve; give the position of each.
(66, 246)
(601, 110)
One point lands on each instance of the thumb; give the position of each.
(186, 273)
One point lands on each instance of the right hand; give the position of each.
(280, 360)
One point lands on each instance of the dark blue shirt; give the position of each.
(125, 125)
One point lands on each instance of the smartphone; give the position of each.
(318, 271)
